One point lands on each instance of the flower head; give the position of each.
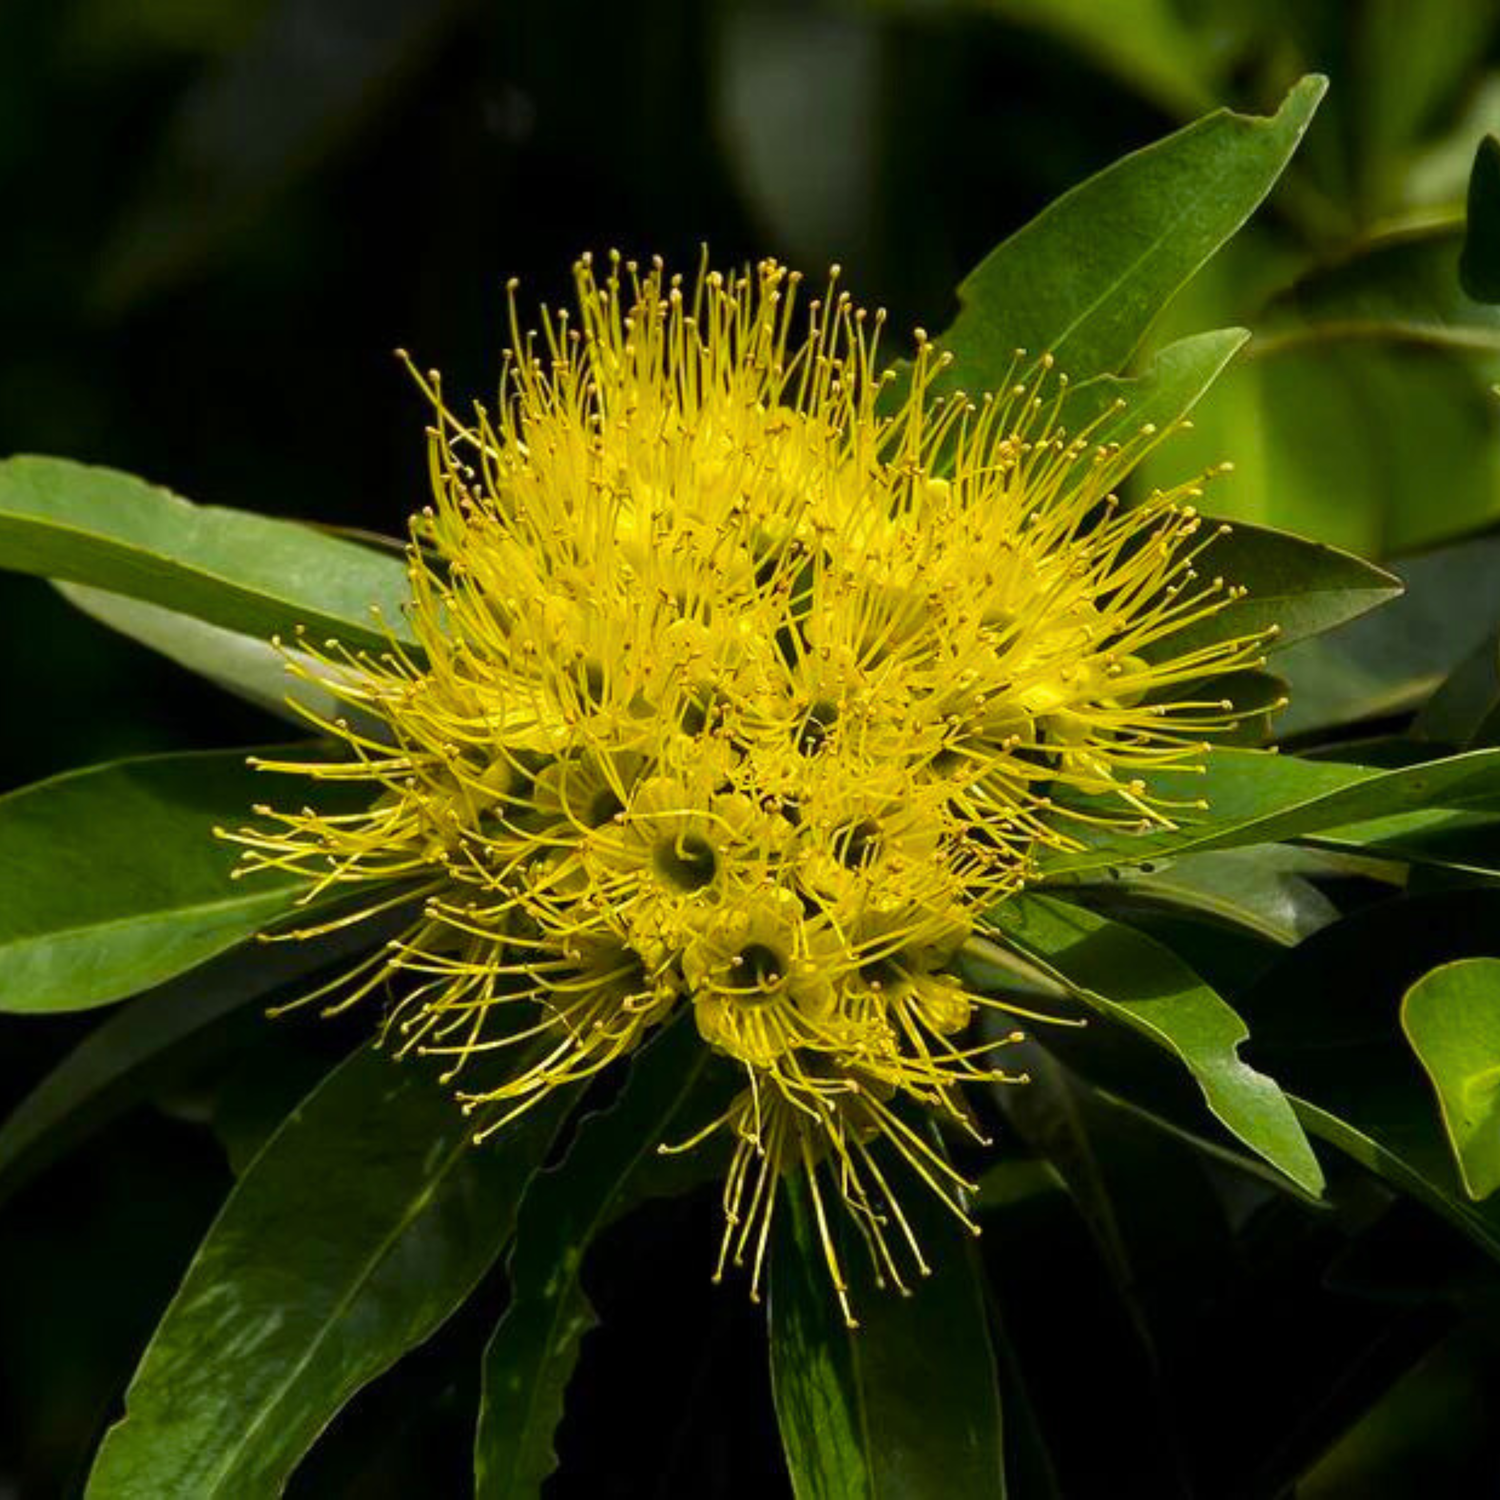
(744, 682)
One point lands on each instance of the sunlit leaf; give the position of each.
(1360, 413)
(248, 573)
(1451, 1017)
(1085, 279)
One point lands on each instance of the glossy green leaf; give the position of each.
(249, 667)
(1132, 979)
(1160, 396)
(904, 1406)
(535, 1346)
(1464, 841)
(112, 879)
(1087, 277)
(1297, 587)
(244, 572)
(1253, 797)
(119, 1061)
(366, 1220)
(1479, 265)
(1251, 889)
(1451, 1017)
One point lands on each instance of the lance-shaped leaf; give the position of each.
(1252, 797)
(366, 1220)
(111, 879)
(535, 1346)
(1296, 587)
(1086, 278)
(1259, 890)
(1135, 980)
(1451, 1017)
(249, 667)
(1125, 407)
(907, 1404)
(249, 573)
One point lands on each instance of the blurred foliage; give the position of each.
(224, 214)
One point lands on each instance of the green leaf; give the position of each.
(1466, 700)
(251, 668)
(1087, 277)
(1258, 890)
(1479, 265)
(1133, 979)
(367, 1219)
(1464, 841)
(1451, 1017)
(1401, 289)
(1161, 395)
(905, 1405)
(1361, 413)
(118, 1062)
(1381, 1132)
(111, 879)
(1299, 588)
(1254, 797)
(535, 1346)
(248, 573)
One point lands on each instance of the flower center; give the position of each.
(856, 843)
(759, 968)
(687, 863)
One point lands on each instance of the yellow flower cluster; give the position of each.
(747, 678)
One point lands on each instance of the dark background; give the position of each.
(218, 218)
